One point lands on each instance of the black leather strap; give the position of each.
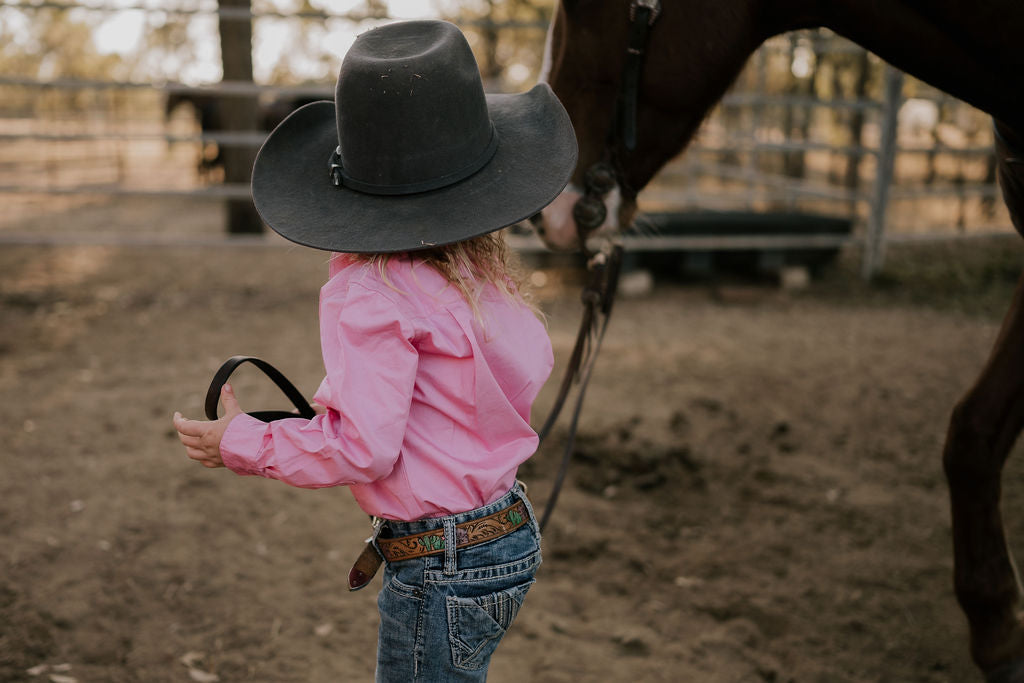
(294, 395)
(642, 18)
(572, 369)
(598, 297)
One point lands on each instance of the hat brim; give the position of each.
(292, 190)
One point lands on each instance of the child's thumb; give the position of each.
(228, 400)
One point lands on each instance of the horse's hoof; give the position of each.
(1012, 672)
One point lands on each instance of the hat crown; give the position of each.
(411, 110)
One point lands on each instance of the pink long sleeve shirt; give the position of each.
(428, 407)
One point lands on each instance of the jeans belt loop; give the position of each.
(450, 562)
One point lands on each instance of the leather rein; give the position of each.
(604, 265)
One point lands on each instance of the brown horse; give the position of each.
(209, 112)
(692, 52)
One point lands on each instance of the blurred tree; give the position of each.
(53, 44)
(166, 50)
(945, 114)
(988, 202)
(507, 37)
(376, 8)
(306, 56)
(804, 68)
(860, 65)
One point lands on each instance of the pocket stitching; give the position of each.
(462, 654)
(499, 603)
(404, 590)
(528, 564)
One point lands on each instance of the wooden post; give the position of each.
(240, 114)
(874, 252)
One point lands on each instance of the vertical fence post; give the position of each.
(240, 112)
(874, 240)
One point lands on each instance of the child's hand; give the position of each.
(202, 439)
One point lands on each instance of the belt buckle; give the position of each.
(366, 565)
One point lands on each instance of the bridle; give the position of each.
(604, 175)
(589, 213)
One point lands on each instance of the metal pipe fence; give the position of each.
(857, 154)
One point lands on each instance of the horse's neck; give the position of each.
(967, 48)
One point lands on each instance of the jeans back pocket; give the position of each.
(477, 625)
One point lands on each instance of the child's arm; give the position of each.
(371, 366)
(202, 439)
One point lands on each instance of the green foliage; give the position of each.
(167, 47)
(509, 56)
(50, 44)
(53, 44)
(307, 55)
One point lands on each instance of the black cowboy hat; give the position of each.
(425, 158)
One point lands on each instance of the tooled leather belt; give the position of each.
(431, 542)
(467, 534)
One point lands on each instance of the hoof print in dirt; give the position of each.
(633, 647)
(623, 457)
(782, 438)
(577, 550)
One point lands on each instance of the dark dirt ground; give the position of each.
(757, 494)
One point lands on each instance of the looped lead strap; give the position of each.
(294, 395)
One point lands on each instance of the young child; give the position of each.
(432, 356)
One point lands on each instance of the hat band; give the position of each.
(339, 177)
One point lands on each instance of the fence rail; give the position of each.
(742, 158)
(518, 242)
(245, 14)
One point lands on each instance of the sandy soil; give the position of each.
(758, 493)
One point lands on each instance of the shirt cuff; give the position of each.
(241, 444)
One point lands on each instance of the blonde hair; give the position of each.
(470, 265)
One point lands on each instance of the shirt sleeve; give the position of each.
(371, 370)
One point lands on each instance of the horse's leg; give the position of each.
(984, 426)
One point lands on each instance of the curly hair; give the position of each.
(470, 265)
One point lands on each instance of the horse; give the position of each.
(638, 77)
(209, 113)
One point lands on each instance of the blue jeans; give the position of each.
(442, 616)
